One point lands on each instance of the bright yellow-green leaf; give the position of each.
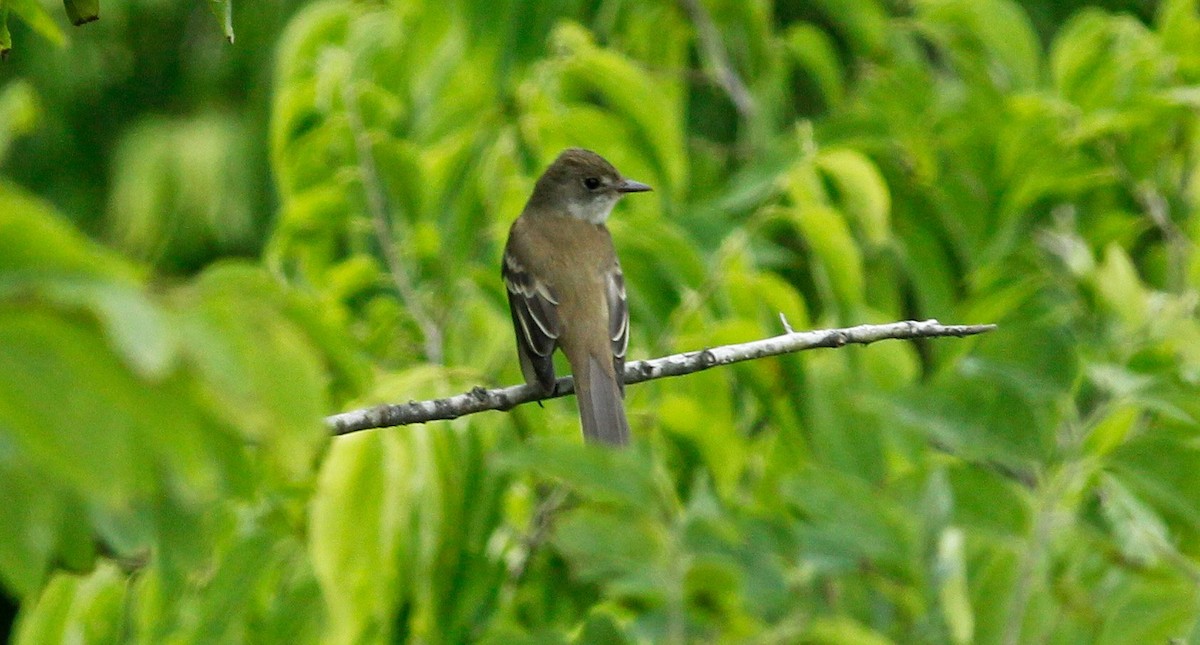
(861, 191)
(38, 19)
(1112, 430)
(1179, 27)
(88, 608)
(863, 23)
(814, 50)
(1117, 282)
(34, 519)
(843, 630)
(20, 110)
(998, 32)
(257, 363)
(76, 419)
(361, 536)
(35, 241)
(840, 260)
(953, 591)
(180, 187)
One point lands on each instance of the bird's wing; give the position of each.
(535, 319)
(618, 321)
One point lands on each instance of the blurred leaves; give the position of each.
(19, 112)
(160, 406)
(222, 10)
(181, 193)
(127, 441)
(82, 11)
(35, 15)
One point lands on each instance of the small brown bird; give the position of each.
(566, 290)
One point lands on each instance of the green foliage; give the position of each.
(80, 12)
(121, 435)
(160, 438)
(34, 15)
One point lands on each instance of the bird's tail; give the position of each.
(601, 404)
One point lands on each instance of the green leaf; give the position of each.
(621, 477)
(842, 630)
(861, 190)
(1179, 28)
(600, 628)
(990, 39)
(1147, 611)
(989, 502)
(259, 365)
(74, 420)
(229, 596)
(180, 191)
(994, 574)
(37, 534)
(223, 11)
(1100, 61)
(1140, 534)
(1163, 469)
(1121, 290)
(35, 241)
(847, 522)
(38, 19)
(607, 547)
(863, 24)
(816, 53)
(826, 231)
(82, 11)
(137, 329)
(87, 608)
(20, 109)
(953, 595)
(362, 544)
(5, 35)
(1112, 429)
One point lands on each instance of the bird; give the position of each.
(566, 290)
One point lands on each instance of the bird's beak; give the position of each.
(631, 186)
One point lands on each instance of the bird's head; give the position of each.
(583, 184)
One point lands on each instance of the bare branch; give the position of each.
(480, 399)
(378, 207)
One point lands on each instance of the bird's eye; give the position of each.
(591, 183)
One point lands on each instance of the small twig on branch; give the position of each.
(787, 326)
(480, 399)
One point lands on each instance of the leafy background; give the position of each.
(205, 247)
